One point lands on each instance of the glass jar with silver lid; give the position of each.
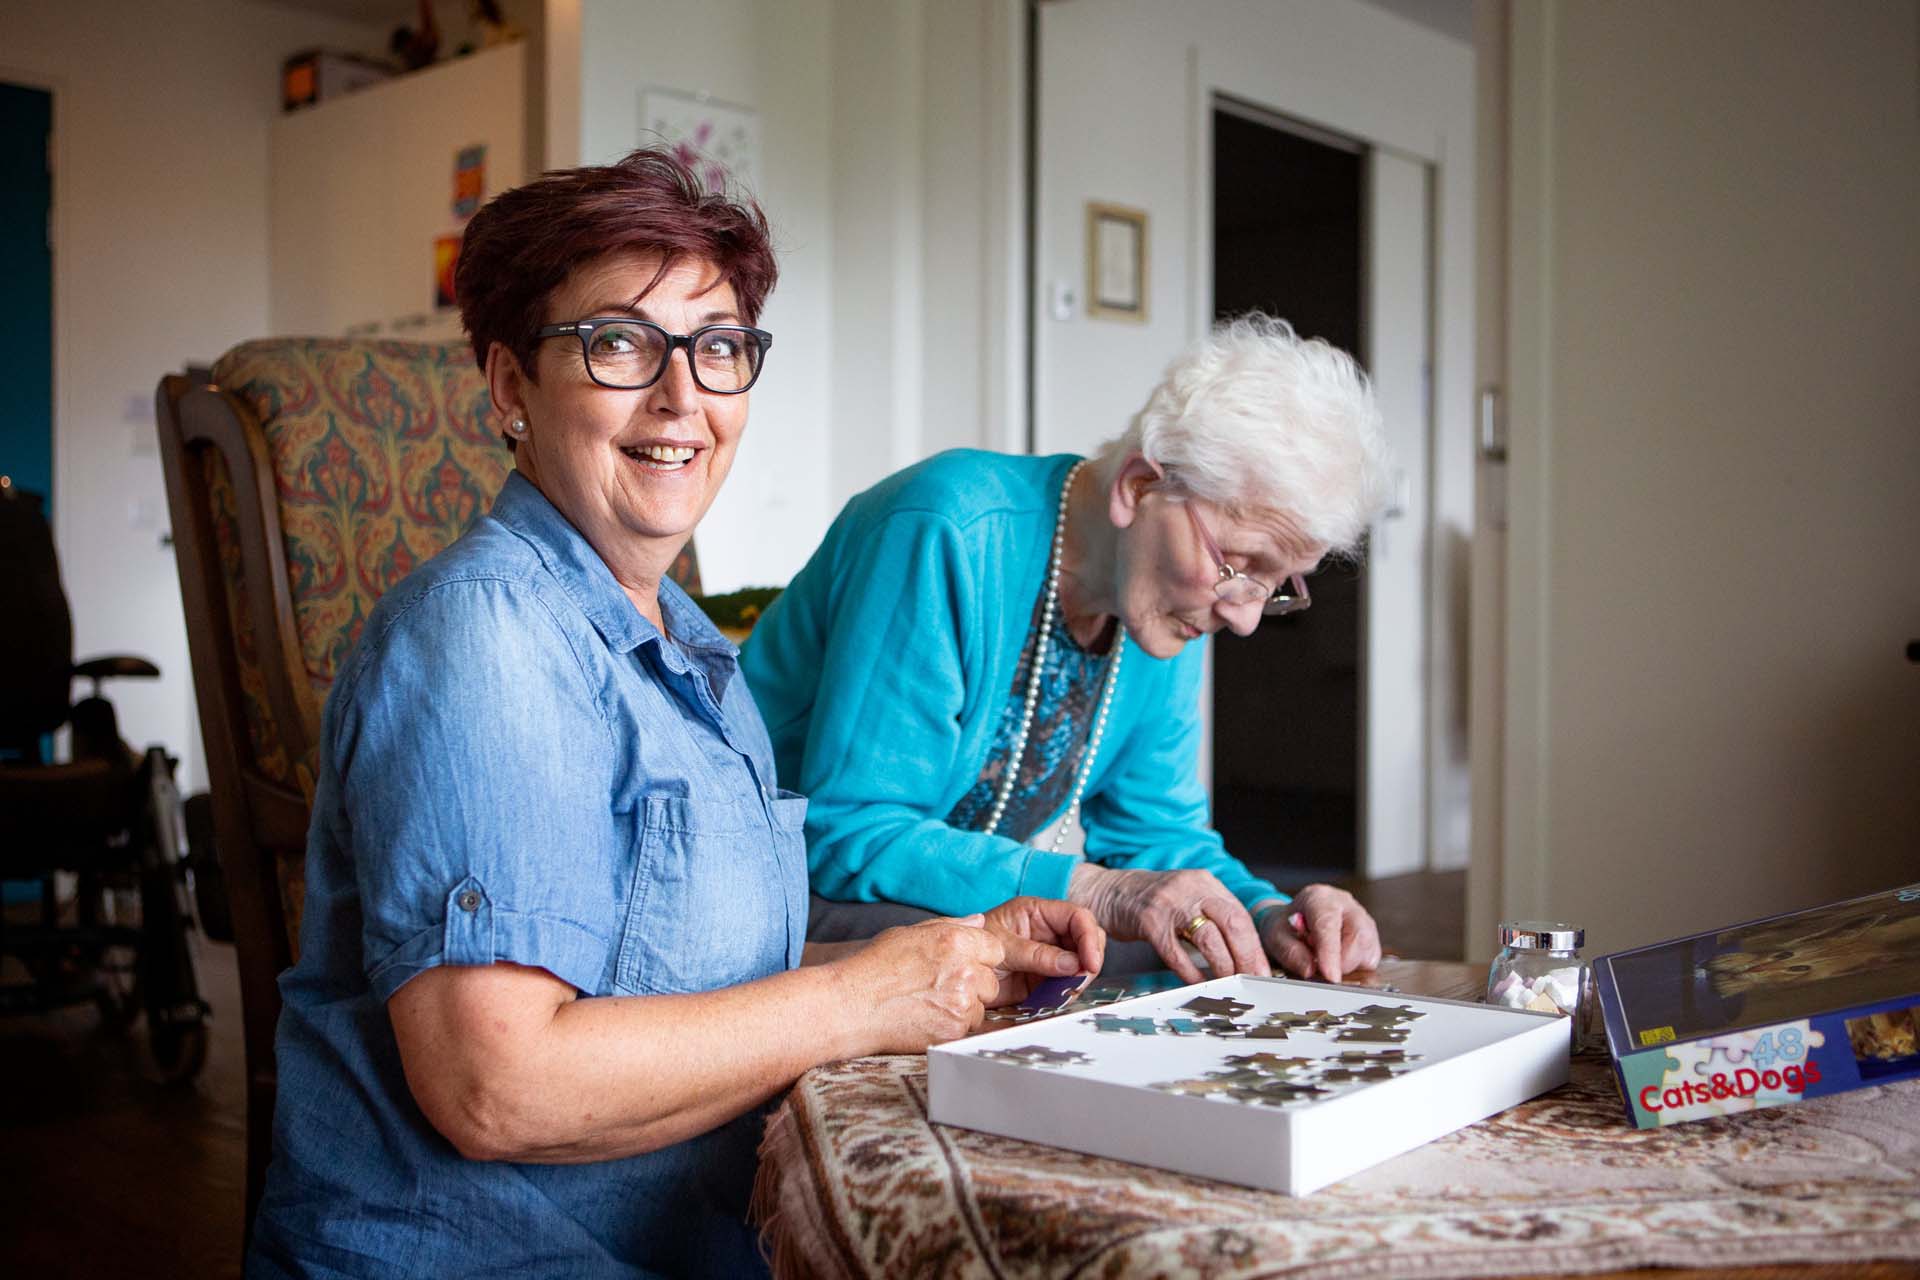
(1539, 968)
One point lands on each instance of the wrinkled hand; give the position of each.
(1155, 906)
(923, 984)
(1044, 938)
(1337, 935)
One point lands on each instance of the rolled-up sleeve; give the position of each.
(475, 763)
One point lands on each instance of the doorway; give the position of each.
(1288, 236)
(26, 290)
(1320, 719)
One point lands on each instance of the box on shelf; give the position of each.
(1265, 1082)
(1765, 1013)
(316, 75)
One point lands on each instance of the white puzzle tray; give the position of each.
(1266, 1082)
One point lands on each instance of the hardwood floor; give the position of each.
(108, 1173)
(112, 1175)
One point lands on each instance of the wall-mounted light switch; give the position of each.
(1063, 300)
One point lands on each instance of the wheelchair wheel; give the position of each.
(116, 967)
(169, 987)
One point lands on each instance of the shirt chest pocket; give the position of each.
(715, 898)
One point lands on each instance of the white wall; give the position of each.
(973, 252)
(360, 189)
(160, 193)
(1714, 304)
(550, 32)
(878, 66)
(774, 59)
(889, 154)
(929, 255)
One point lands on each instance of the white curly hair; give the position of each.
(1255, 417)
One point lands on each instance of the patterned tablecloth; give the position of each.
(854, 1181)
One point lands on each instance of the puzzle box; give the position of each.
(1765, 1013)
(1266, 1082)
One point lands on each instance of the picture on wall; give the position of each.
(1116, 262)
(719, 141)
(469, 179)
(446, 258)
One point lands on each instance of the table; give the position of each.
(855, 1182)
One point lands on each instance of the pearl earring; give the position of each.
(518, 426)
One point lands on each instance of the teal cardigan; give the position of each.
(883, 671)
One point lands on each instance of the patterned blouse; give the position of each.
(1057, 744)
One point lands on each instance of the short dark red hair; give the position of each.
(525, 242)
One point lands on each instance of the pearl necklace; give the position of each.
(1108, 683)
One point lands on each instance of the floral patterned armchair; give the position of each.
(305, 478)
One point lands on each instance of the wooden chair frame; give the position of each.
(257, 820)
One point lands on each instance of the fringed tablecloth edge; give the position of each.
(779, 1205)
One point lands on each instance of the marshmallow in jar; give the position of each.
(1539, 967)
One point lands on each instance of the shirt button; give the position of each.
(470, 900)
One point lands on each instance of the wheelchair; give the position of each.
(101, 836)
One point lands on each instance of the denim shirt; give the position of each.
(516, 766)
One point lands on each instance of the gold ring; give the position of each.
(1191, 929)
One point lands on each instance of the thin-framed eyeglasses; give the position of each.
(624, 354)
(1235, 587)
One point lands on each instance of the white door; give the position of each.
(1394, 699)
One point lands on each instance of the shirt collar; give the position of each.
(590, 584)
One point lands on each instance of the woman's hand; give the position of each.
(1335, 935)
(923, 984)
(1158, 907)
(1034, 932)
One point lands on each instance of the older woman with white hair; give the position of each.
(987, 649)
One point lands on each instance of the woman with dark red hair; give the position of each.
(553, 960)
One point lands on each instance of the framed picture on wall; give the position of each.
(718, 140)
(1116, 262)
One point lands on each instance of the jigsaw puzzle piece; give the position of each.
(1355, 1075)
(1110, 1022)
(1380, 1015)
(1312, 1020)
(1279, 1093)
(1051, 995)
(1035, 1055)
(1271, 1063)
(1368, 1057)
(1206, 1086)
(1242, 1084)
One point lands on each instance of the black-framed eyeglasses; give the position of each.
(1235, 587)
(623, 354)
